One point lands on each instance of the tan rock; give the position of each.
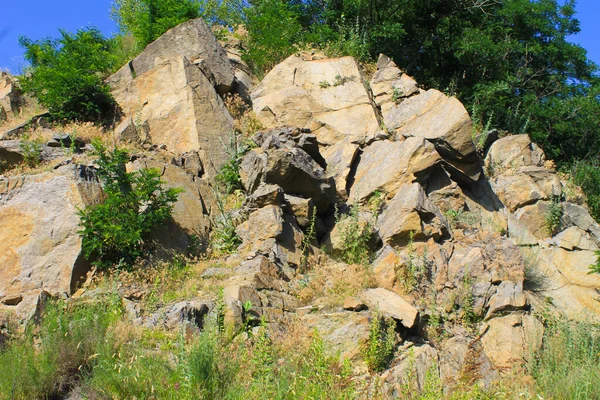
(340, 158)
(295, 93)
(177, 106)
(386, 166)
(190, 221)
(353, 304)
(10, 96)
(41, 247)
(192, 40)
(390, 80)
(262, 225)
(526, 185)
(511, 339)
(411, 212)
(390, 304)
(513, 152)
(343, 333)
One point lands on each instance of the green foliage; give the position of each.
(229, 175)
(397, 95)
(356, 237)
(595, 268)
(66, 75)
(379, 347)
(45, 362)
(567, 365)
(554, 214)
(118, 231)
(31, 149)
(587, 175)
(146, 20)
(309, 236)
(273, 32)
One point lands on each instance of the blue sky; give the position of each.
(38, 19)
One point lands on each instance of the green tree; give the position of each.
(119, 230)
(147, 20)
(66, 75)
(273, 32)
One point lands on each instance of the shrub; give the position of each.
(587, 175)
(146, 20)
(118, 230)
(66, 75)
(49, 358)
(273, 32)
(554, 214)
(31, 148)
(379, 347)
(356, 238)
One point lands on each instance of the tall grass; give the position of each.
(49, 359)
(568, 366)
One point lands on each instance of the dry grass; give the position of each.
(27, 113)
(330, 283)
(245, 121)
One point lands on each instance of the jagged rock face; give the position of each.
(190, 221)
(169, 94)
(327, 96)
(410, 112)
(284, 160)
(10, 97)
(192, 40)
(41, 247)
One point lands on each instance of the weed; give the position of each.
(397, 95)
(379, 347)
(356, 236)
(32, 151)
(324, 84)
(342, 80)
(309, 237)
(554, 214)
(567, 365)
(229, 175)
(461, 218)
(595, 268)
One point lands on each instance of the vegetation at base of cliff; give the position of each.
(66, 75)
(118, 231)
(90, 347)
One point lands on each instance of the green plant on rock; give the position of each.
(379, 348)
(397, 95)
(119, 230)
(554, 214)
(32, 151)
(356, 238)
(229, 175)
(595, 268)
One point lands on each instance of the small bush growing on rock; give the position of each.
(554, 214)
(356, 238)
(379, 347)
(118, 230)
(32, 149)
(587, 175)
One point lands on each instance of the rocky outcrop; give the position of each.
(170, 93)
(11, 99)
(410, 112)
(327, 96)
(41, 246)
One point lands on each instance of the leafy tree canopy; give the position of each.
(66, 74)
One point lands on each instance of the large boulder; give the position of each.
(390, 304)
(190, 220)
(327, 96)
(175, 104)
(411, 213)
(287, 163)
(442, 120)
(386, 166)
(41, 246)
(192, 40)
(10, 97)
